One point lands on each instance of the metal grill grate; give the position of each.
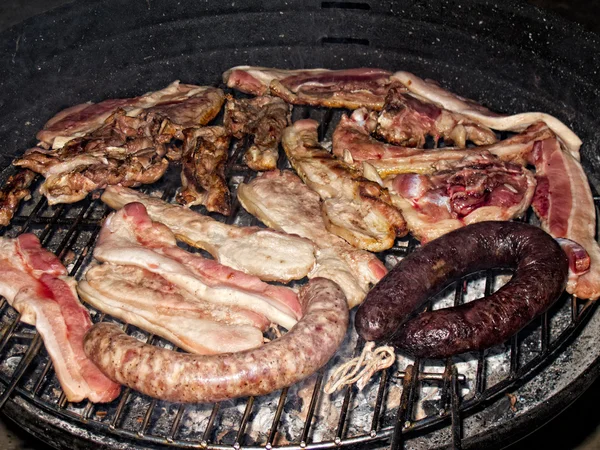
(136, 420)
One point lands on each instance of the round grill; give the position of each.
(510, 57)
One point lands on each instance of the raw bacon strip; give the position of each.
(36, 284)
(349, 88)
(150, 302)
(129, 237)
(515, 122)
(563, 201)
(474, 189)
(282, 201)
(14, 190)
(249, 249)
(183, 104)
(203, 172)
(355, 208)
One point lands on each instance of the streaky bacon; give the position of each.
(563, 201)
(36, 284)
(130, 237)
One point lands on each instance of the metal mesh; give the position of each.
(396, 407)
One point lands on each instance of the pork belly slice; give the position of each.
(268, 254)
(184, 105)
(130, 237)
(348, 88)
(203, 169)
(150, 302)
(36, 284)
(124, 150)
(355, 208)
(563, 201)
(389, 160)
(474, 189)
(283, 202)
(12, 192)
(407, 120)
(264, 118)
(432, 92)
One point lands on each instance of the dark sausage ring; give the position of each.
(541, 270)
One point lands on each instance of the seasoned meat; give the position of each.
(12, 192)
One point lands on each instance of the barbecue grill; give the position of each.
(509, 56)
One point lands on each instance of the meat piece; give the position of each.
(563, 201)
(36, 284)
(354, 208)
(516, 122)
(12, 192)
(268, 254)
(282, 201)
(540, 275)
(129, 237)
(124, 151)
(396, 160)
(179, 377)
(184, 105)
(150, 302)
(264, 118)
(203, 169)
(407, 120)
(348, 88)
(474, 189)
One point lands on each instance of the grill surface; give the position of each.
(461, 401)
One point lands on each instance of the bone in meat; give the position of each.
(264, 118)
(129, 237)
(283, 202)
(516, 122)
(348, 88)
(268, 254)
(203, 169)
(354, 208)
(148, 301)
(474, 189)
(12, 192)
(36, 284)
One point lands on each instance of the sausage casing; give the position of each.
(541, 269)
(182, 377)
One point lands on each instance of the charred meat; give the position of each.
(14, 190)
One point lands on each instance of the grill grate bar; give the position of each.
(346, 402)
(210, 424)
(455, 415)
(379, 402)
(176, 423)
(244, 422)
(276, 418)
(311, 408)
(406, 399)
(32, 351)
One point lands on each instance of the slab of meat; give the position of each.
(563, 201)
(36, 284)
(268, 254)
(184, 105)
(12, 192)
(354, 208)
(282, 201)
(150, 302)
(180, 377)
(474, 189)
(129, 237)
(125, 150)
(407, 120)
(349, 88)
(203, 169)
(264, 118)
(516, 122)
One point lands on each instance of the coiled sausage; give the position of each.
(182, 377)
(541, 269)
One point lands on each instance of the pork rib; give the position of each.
(354, 208)
(129, 237)
(516, 122)
(474, 189)
(349, 88)
(282, 201)
(250, 249)
(563, 201)
(36, 284)
(150, 302)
